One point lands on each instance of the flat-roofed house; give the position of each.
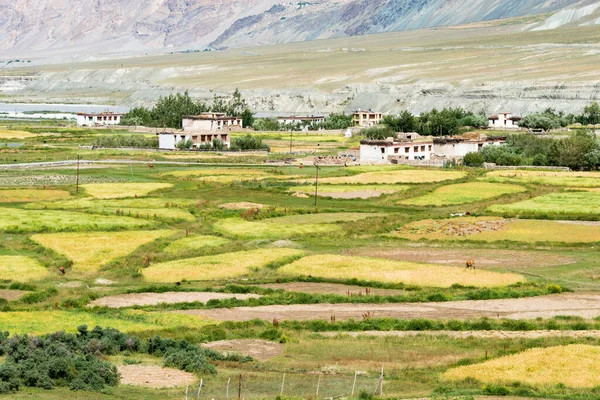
(201, 130)
(380, 151)
(503, 120)
(367, 118)
(96, 119)
(301, 120)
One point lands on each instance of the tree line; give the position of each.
(332, 122)
(169, 111)
(580, 151)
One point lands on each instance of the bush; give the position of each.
(377, 132)
(249, 142)
(473, 159)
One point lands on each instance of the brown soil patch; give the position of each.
(12, 294)
(154, 376)
(473, 334)
(483, 258)
(330, 288)
(151, 299)
(242, 206)
(261, 350)
(582, 305)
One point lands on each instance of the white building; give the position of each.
(503, 120)
(200, 139)
(301, 120)
(210, 122)
(103, 118)
(379, 151)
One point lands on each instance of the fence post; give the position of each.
(318, 385)
(199, 389)
(282, 384)
(354, 384)
(240, 388)
(381, 390)
(227, 390)
(186, 392)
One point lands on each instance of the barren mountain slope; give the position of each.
(110, 26)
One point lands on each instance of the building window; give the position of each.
(407, 149)
(416, 149)
(429, 147)
(383, 150)
(396, 149)
(422, 148)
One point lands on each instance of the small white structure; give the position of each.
(103, 118)
(379, 151)
(301, 120)
(367, 118)
(200, 139)
(210, 122)
(503, 120)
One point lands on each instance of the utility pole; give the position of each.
(291, 139)
(77, 182)
(317, 183)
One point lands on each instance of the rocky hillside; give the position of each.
(115, 26)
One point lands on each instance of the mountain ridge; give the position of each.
(117, 26)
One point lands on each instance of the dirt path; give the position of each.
(583, 305)
(12, 294)
(151, 299)
(474, 334)
(154, 376)
(261, 350)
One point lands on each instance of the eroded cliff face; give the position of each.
(110, 26)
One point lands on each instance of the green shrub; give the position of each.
(473, 159)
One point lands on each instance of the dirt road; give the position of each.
(583, 305)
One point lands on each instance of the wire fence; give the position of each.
(305, 385)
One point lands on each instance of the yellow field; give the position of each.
(195, 243)
(492, 229)
(464, 193)
(285, 227)
(43, 322)
(21, 269)
(120, 190)
(397, 176)
(27, 195)
(226, 175)
(554, 178)
(15, 134)
(222, 266)
(381, 270)
(90, 250)
(575, 365)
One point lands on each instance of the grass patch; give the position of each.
(464, 193)
(15, 134)
(553, 178)
(585, 204)
(195, 243)
(21, 269)
(397, 176)
(17, 220)
(90, 250)
(222, 266)
(493, 229)
(120, 190)
(381, 270)
(27, 195)
(576, 366)
(289, 226)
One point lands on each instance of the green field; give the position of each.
(463, 193)
(21, 269)
(553, 178)
(582, 205)
(195, 243)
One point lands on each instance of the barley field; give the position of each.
(21, 269)
(381, 270)
(552, 178)
(18, 220)
(219, 267)
(120, 190)
(91, 250)
(464, 193)
(586, 204)
(494, 229)
(195, 243)
(286, 227)
(396, 176)
(28, 195)
(15, 134)
(576, 366)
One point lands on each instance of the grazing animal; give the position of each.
(177, 283)
(470, 264)
(151, 166)
(62, 269)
